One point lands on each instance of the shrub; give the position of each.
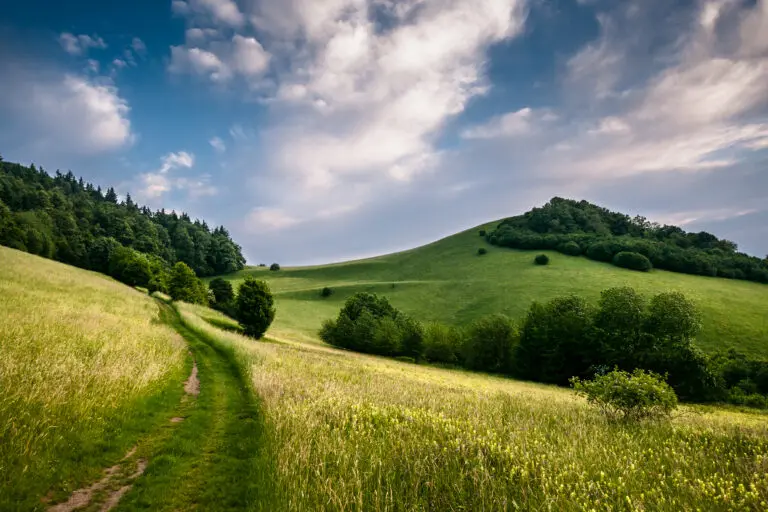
(442, 343)
(254, 307)
(601, 251)
(129, 266)
(223, 293)
(632, 261)
(274, 267)
(482, 232)
(326, 292)
(570, 248)
(629, 396)
(412, 341)
(185, 286)
(541, 259)
(482, 251)
(674, 316)
(490, 344)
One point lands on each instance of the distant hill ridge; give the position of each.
(582, 228)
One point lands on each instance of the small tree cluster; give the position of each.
(326, 292)
(185, 286)
(541, 259)
(222, 296)
(370, 324)
(274, 267)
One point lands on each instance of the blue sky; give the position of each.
(321, 130)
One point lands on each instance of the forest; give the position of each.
(581, 228)
(66, 219)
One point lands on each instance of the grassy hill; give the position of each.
(84, 365)
(447, 281)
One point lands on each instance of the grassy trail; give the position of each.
(212, 461)
(210, 457)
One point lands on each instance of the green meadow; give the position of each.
(447, 281)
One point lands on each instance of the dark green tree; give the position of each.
(255, 307)
(185, 286)
(223, 293)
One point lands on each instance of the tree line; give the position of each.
(63, 218)
(562, 339)
(581, 228)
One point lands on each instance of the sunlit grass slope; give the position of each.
(83, 362)
(447, 281)
(354, 432)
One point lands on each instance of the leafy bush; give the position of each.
(629, 396)
(482, 251)
(254, 307)
(442, 344)
(541, 259)
(129, 266)
(274, 267)
(326, 292)
(570, 248)
(482, 232)
(632, 261)
(185, 286)
(223, 293)
(490, 344)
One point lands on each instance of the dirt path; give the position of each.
(208, 455)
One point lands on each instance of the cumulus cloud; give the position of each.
(220, 60)
(80, 44)
(361, 106)
(65, 114)
(223, 12)
(138, 46)
(155, 184)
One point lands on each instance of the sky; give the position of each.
(326, 130)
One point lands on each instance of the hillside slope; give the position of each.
(447, 281)
(85, 368)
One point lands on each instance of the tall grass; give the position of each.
(81, 358)
(353, 432)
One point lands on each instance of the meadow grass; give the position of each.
(447, 281)
(85, 368)
(354, 432)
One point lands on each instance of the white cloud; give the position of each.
(93, 66)
(182, 159)
(513, 124)
(361, 107)
(201, 62)
(119, 63)
(688, 115)
(67, 114)
(220, 12)
(138, 46)
(218, 144)
(80, 44)
(248, 56)
(153, 185)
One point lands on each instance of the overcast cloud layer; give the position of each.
(321, 130)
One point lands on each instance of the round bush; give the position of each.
(482, 232)
(632, 261)
(255, 307)
(274, 267)
(326, 292)
(629, 396)
(541, 259)
(570, 248)
(481, 251)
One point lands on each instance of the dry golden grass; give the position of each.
(77, 352)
